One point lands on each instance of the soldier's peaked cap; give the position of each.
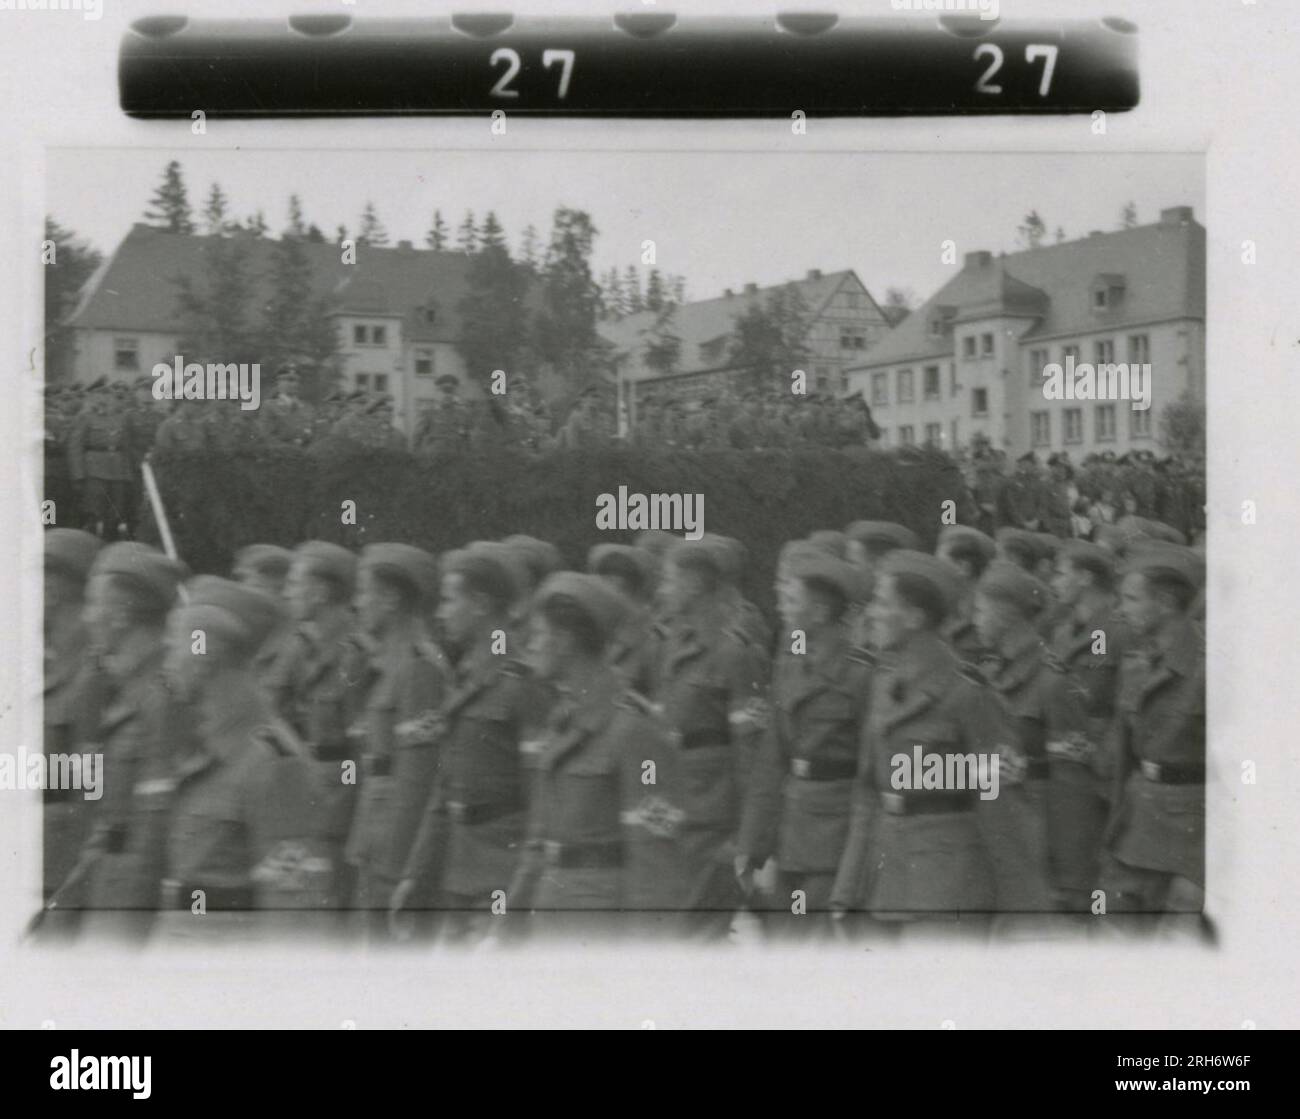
(1137, 527)
(1162, 559)
(702, 553)
(939, 574)
(411, 565)
(967, 539)
(831, 541)
(235, 611)
(877, 534)
(490, 566)
(594, 596)
(540, 557)
(1008, 583)
(656, 541)
(328, 561)
(622, 559)
(145, 567)
(1021, 539)
(71, 551)
(1089, 556)
(821, 567)
(265, 559)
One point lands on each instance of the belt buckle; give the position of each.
(801, 767)
(893, 803)
(1151, 770)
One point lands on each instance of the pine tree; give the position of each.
(169, 208)
(256, 225)
(314, 234)
(216, 309)
(663, 346)
(341, 234)
(294, 321)
(564, 334)
(214, 211)
(371, 230)
(297, 226)
(770, 340)
(1032, 230)
(467, 234)
(679, 289)
(1128, 217)
(494, 323)
(436, 238)
(611, 294)
(632, 301)
(530, 248)
(491, 235)
(74, 262)
(654, 292)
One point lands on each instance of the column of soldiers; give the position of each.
(480, 745)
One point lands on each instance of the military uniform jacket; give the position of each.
(98, 445)
(399, 736)
(635, 652)
(472, 829)
(918, 863)
(288, 420)
(317, 687)
(1018, 679)
(607, 810)
(128, 819)
(711, 691)
(1160, 722)
(242, 817)
(1079, 697)
(799, 797)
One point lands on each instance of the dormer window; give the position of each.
(1107, 291)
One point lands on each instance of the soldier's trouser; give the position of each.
(1014, 827)
(107, 503)
(714, 895)
(1135, 889)
(1076, 821)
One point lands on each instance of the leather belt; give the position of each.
(582, 856)
(928, 802)
(471, 814)
(1173, 774)
(822, 769)
(707, 736)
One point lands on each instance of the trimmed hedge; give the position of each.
(217, 504)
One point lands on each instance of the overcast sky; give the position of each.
(720, 219)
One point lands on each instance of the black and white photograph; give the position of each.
(514, 525)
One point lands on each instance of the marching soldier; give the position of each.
(316, 687)
(711, 691)
(608, 804)
(471, 833)
(915, 851)
(799, 798)
(99, 441)
(443, 428)
(868, 543)
(400, 727)
(73, 692)
(970, 551)
(1085, 658)
(1008, 603)
(130, 591)
(1156, 834)
(239, 850)
(634, 648)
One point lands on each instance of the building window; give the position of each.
(379, 335)
(906, 437)
(381, 382)
(126, 353)
(1041, 428)
(1139, 349)
(955, 441)
(1105, 423)
(979, 402)
(823, 379)
(430, 314)
(933, 435)
(906, 390)
(986, 345)
(1073, 425)
(879, 390)
(363, 335)
(852, 340)
(363, 381)
(1099, 299)
(968, 347)
(424, 363)
(1104, 349)
(952, 379)
(1069, 353)
(1140, 423)
(931, 382)
(1037, 362)
(360, 334)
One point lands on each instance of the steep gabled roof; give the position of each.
(1160, 266)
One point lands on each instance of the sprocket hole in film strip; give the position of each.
(636, 64)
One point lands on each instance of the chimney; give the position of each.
(1176, 215)
(727, 293)
(404, 246)
(978, 259)
(814, 273)
(750, 289)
